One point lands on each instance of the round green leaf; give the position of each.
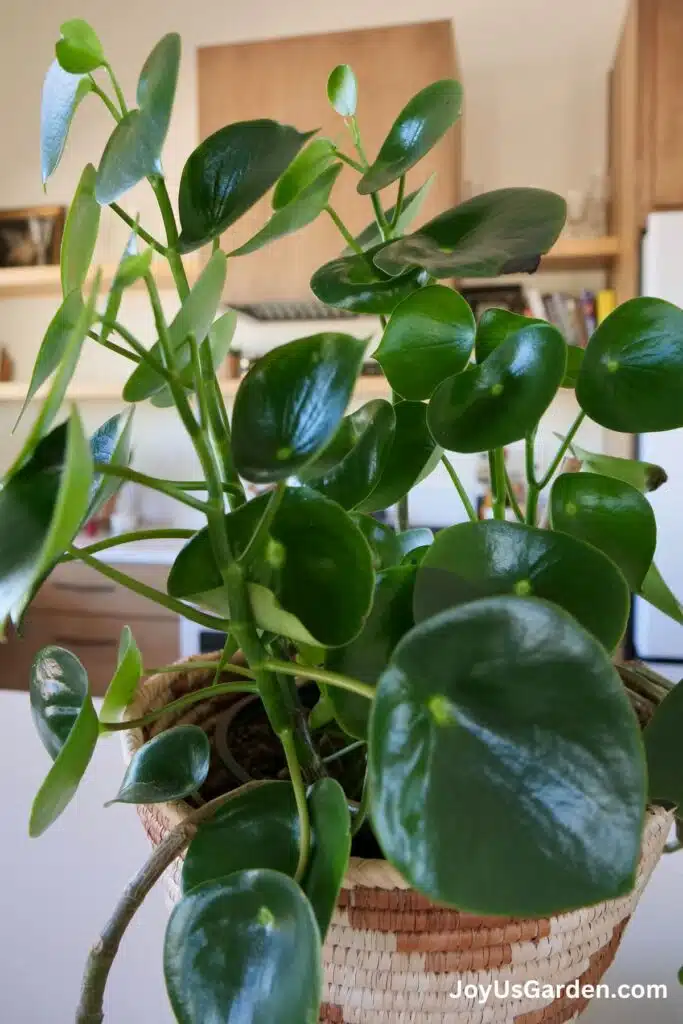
(501, 232)
(124, 683)
(342, 90)
(494, 326)
(228, 173)
(80, 233)
(500, 400)
(246, 947)
(62, 93)
(473, 560)
(304, 169)
(631, 378)
(371, 235)
(664, 750)
(656, 591)
(388, 547)
(79, 51)
(411, 453)
(429, 337)
(331, 846)
(351, 283)
(501, 727)
(366, 657)
(277, 426)
(645, 476)
(416, 130)
(610, 515)
(170, 766)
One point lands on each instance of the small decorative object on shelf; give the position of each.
(31, 237)
(6, 366)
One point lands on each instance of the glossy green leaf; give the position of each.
(195, 316)
(276, 428)
(657, 592)
(351, 283)
(244, 947)
(371, 235)
(502, 726)
(501, 232)
(410, 453)
(664, 750)
(170, 766)
(66, 721)
(494, 326)
(111, 444)
(388, 547)
(575, 356)
(366, 657)
(609, 514)
(62, 94)
(366, 437)
(416, 130)
(80, 233)
(342, 90)
(125, 680)
(79, 51)
(632, 374)
(473, 560)
(430, 337)
(322, 576)
(500, 400)
(645, 476)
(331, 846)
(304, 169)
(229, 172)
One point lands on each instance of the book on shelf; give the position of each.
(576, 316)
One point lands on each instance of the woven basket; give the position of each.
(393, 957)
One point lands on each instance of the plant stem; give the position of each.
(350, 161)
(497, 472)
(398, 210)
(533, 487)
(380, 217)
(362, 812)
(145, 355)
(186, 701)
(344, 231)
(113, 347)
(90, 1008)
(344, 751)
(130, 538)
(462, 493)
(140, 231)
(174, 261)
(105, 99)
(287, 740)
(513, 498)
(229, 649)
(117, 89)
(545, 480)
(321, 675)
(220, 429)
(259, 538)
(167, 487)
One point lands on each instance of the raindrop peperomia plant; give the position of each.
(462, 686)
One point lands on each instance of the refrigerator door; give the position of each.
(662, 274)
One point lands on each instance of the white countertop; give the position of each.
(143, 552)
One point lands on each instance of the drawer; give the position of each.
(73, 587)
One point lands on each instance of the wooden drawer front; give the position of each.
(73, 587)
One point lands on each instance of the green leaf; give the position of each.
(323, 573)
(500, 400)
(494, 326)
(66, 721)
(366, 657)
(80, 233)
(656, 591)
(430, 337)
(79, 51)
(388, 547)
(416, 130)
(220, 338)
(110, 444)
(342, 90)
(501, 727)
(663, 749)
(305, 168)
(170, 766)
(473, 560)
(277, 429)
(410, 453)
(133, 267)
(371, 235)
(331, 846)
(244, 947)
(124, 683)
(157, 87)
(365, 438)
(229, 172)
(575, 356)
(300, 211)
(632, 373)
(62, 94)
(609, 514)
(501, 232)
(354, 284)
(195, 316)
(645, 476)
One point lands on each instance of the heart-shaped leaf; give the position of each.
(500, 726)
(342, 90)
(170, 766)
(366, 657)
(277, 429)
(354, 284)
(79, 51)
(645, 476)
(331, 846)
(304, 169)
(416, 130)
(500, 400)
(110, 444)
(365, 438)
(302, 210)
(371, 235)
(657, 592)
(66, 721)
(632, 373)
(322, 576)
(80, 233)
(473, 560)
(429, 337)
(245, 947)
(502, 232)
(410, 454)
(610, 515)
(494, 326)
(124, 684)
(62, 93)
(229, 172)
(664, 751)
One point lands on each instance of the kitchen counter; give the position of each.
(144, 552)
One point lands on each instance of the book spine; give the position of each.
(588, 306)
(605, 303)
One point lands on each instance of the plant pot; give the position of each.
(391, 955)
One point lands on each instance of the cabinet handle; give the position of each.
(87, 588)
(81, 641)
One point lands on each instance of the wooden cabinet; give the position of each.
(285, 79)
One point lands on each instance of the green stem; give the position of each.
(344, 231)
(545, 480)
(260, 535)
(140, 231)
(398, 210)
(497, 471)
(287, 740)
(229, 649)
(145, 355)
(462, 493)
(113, 347)
(380, 216)
(513, 498)
(362, 812)
(132, 537)
(186, 701)
(321, 675)
(105, 99)
(532, 505)
(117, 89)
(533, 488)
(220, 429)
(350, 161)
(344, 751)
(174, 261)
(162, 486)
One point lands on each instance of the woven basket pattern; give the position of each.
(393, 957)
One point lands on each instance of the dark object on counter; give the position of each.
(6, 366)
(234, 364)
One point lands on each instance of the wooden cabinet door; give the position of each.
(664, 68)
(285, 79)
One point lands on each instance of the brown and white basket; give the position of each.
(393, 957)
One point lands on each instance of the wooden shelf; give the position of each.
(41, 282)
(582, 254)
